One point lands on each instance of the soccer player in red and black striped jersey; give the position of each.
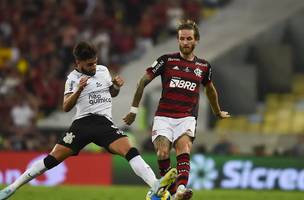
(182, 75)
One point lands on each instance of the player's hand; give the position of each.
(83, 83)
(223, 115)
(130, 118)
(118, 81)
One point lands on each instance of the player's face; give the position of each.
(87, 67)
(186, 41)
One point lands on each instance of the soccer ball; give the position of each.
(151, 196)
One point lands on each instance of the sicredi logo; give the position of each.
(242, 174)
(180, 83)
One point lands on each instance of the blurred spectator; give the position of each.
(174, 14)
(224, 147)
(201, 148)
(36, 41)
(297, 149)
(22, 114)
(259, 150)
(147, 145)
(192, 9)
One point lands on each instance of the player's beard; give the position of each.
(89, 73)
(186, 51)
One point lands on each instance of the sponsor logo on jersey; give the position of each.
(156, 65)
(202, 64)
(173, 59)
(96, 97)
(180, 83)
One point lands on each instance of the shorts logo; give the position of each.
(188, 131)
(68, 138)
(154, 133)
(179, 83)
(118, 131)
(113, 126)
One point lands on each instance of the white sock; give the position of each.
(143, 170)
(35, 170)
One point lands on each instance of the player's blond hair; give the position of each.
(189, 25)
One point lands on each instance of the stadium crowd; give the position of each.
(36, 41)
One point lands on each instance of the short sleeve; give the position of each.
(70, 86)
(157, 67)
(208, 76)
(108, 78)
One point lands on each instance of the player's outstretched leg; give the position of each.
(164, 182)
(6, 193)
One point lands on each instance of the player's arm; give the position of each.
(144, 81)
(115, 88)
(212, 96)
(70, 99)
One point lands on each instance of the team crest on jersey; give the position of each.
(68, 138)
(198, 72)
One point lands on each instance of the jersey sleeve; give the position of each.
(157, 67)
(208, 77)
(70, 86)
(108, 78)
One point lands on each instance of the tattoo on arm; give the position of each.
(213, 98)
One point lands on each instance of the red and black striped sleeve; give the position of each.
(158, 66)
(208, 76)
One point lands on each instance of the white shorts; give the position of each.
(173, 128)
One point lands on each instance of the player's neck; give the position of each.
(189, 57)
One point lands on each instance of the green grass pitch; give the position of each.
(138, 193)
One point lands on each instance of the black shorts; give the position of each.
(94, 128)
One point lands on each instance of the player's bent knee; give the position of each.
(133, 152)
(50, 162)
(162, 154)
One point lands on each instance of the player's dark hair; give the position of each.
(84, 51)
(189, 25)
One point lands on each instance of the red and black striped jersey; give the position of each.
(181, 80)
